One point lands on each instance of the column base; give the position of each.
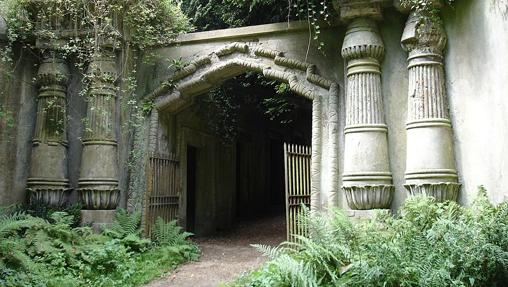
(99, 199)
(442, 191)
(97, 219)
(369, 196)
(51, 196)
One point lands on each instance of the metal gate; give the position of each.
(163, 190)
(297, 166)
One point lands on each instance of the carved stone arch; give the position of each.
(206, 72)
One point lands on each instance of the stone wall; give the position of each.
(16, 127)
(474, 76)
(475, 70)
(18, 96)
(477, 73)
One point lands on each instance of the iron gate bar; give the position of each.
(297, 168)
(162, 196)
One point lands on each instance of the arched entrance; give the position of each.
(205, 72)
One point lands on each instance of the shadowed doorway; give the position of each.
(233, 139)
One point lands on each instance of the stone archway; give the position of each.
(207, 71)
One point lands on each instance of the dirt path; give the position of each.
(226, 256)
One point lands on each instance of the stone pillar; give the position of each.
(98, 182)
(367, 180)
(48, 176)
(430, 165)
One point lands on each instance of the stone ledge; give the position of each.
(246, 32)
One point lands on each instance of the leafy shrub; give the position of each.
(44, 210)
(426, 244)
(50, 252)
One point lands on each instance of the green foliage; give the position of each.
(219, 14)
(125, 223)
(145, 22)
(39, 252)
(423, 5)
(211, 15)
(427, 8)
(221, 108)
(154, 22)
(174, 239)
(426, 244)
(169, 233)
(6, 118)
(44, 210)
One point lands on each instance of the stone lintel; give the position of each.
(50, 44)
(351, 9)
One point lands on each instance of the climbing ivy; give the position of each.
(219, 14)
(143, 23)
(424, 5)
(426, 8)
(222, 106)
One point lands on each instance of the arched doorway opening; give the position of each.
(204, 73)
(231, 142)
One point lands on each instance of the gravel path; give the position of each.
(226, 256)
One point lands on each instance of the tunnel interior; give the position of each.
(233, 158)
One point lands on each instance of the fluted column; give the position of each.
(367, 180)
(98, 182)
(48, 176)
(430, 165)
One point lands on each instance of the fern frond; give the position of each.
(268, 251)
(125, 224)
(169, 233)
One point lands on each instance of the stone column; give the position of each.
(98, 182)
(430, 165)
(48, 176)
(367, 180)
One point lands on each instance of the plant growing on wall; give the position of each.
(427, 7)
(223, 103)
(78, 29)
(142, 23)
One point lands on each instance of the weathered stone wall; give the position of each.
(18, 96)
(16, 127)
(475, 69)
(476, 75)
(273, 38)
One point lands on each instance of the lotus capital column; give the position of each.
(430, 162)
(98, 182)
(367, 180)
(48, 180)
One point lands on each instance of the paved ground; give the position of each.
(226, 256)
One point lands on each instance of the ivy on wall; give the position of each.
(79, 28)
(426, 7)
(143, 23)
(221, 106)
(219, 14)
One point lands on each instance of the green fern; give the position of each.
(268, 251)
(426, 244)
(11, 246)
(169, 233)
(125, 224)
